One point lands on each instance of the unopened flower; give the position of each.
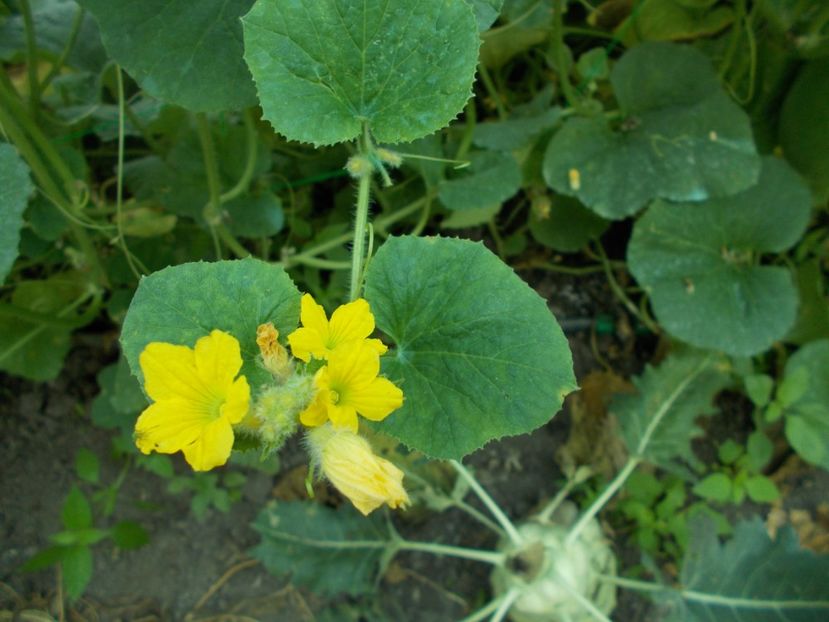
(197, 399)
(319, 337)
(350, 385)
(274, 356)
(349, 463)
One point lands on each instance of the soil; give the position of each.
(200, 570)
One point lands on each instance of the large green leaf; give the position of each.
(324, 68)
(804, 125)
(180, 304)
(15, 190)
(329, 551)
(182, 52)
(751, 578)
(477, 352)
(682, 137)
(807, 418)
(699, 263)
(567, 227)
(658, 423)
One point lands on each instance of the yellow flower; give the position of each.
(349, 385)
(350, 323)
(348, 462)
(196, 399)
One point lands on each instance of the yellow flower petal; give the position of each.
(353, 367)
(237, 401)
(377, 400)
(170, 425)
(343, 416)
(380, 347)
(213, 446)
(350, 322)
(218, 358)
(316, 414)
(170, 371)
(306, 342)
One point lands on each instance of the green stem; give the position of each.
(232, 243)
(504, 607)
(489, 557)
(602, 500)
(360, 225)
(67, 49)
(31, 58)
(489, 85)
(558, 52)
(119, 179)
(250, 160)
(212, 211)
(488, 609)
(489, 502)
(471, 116)
(620, 293)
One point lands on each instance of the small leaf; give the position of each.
(129, 535)
(759, 388)
(793, 386)
(255, 216)
(87, 466)
(329, 551)
(15, 190)
(759, 450)
(715, 487)
(486, 12)
(659, 422)
(183, 303)
(751, 578)
(76, 563)
(729, 452)
(477, 352)
(699, 263)
(761, 489)
(79, 537)
(682, 139)
(43, 559)
(182, 52)
(807, 416)
(492, 178)
(76, 513)
(516, 132)
(326, 68)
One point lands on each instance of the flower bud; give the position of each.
(274, 356)
(349, 463)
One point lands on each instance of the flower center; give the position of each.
(333, 396)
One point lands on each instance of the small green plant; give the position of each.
(739, 473)
(209, 490)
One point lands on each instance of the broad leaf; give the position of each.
(477, 352)
(669, 20)
(326, 68)
(699, 263)
(76, 566)
(567, 227)
(813, 311)
(329, 551)
(807, 417)
(751, 578)
(515, 132)
(15, 190)
(658, 423)
(486, 11)
(682, 138)
(182, 52)
(804, 125)
(491, 178)
(180, 304)
(76, 513)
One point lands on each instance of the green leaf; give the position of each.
(182, 52)
(593, 65)
(87, 466)
(255, 216)
(477, 352)
(751, 578)
(793, 386)
(486, 12)
(759, 388)
(43, 559)
(658, 423)
(329, 551)
(807, 418)
(79, 537)
(76, 563)
(129, 535)
(813, 313)
(15, 190)
(76, 513)
(568, 226)
(464, 219)
(183, 303)
(699, 263)
(729, 452)
(759, 450)
(715, 487)
(668, 20)
(515, 132)
(120, 399)
(682, 139)
(804, 125)
(324, 68)
(492, 178)
(761, 489)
